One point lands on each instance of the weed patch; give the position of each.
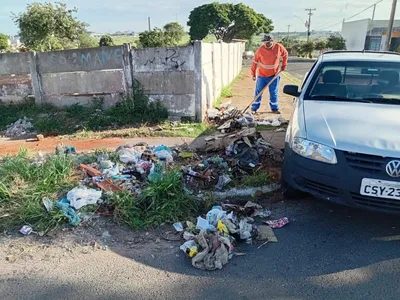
(25, 184)
(161, 201)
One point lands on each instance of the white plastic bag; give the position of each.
(81, 196)
(164, 155)
(128, 155)
(215, 214)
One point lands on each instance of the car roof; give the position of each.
(360, 56)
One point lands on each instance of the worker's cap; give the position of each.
(268, 38)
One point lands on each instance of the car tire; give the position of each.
(289, 192)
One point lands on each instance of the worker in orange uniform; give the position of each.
(266, 62)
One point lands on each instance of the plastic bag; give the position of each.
(81, 196)
(164, 155)
(215, 214)
(162, 148)
(222, 227)
(190, 248)
(203, 224)
(128, 155)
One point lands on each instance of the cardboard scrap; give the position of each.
(266, 233)
(106, 185)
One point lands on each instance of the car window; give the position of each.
(362, 81)
(308, 75)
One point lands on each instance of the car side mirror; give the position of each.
(292, 90)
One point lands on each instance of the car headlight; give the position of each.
(313, 150)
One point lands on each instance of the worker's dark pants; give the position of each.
(273, 92)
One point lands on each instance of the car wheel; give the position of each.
(289, 192)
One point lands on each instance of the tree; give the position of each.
(3, 42)
(320, 45)
(308, 47)
(106, 40)
(173, 33)
(87, 41)
(227, 21)
(336, 43)
(43, 25)
(153, 38)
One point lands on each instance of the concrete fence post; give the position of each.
(127, 68)
(214, 74)
(198, 76)
(36, 78)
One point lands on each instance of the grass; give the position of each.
(258, 179)
(23, 186)
(161, 201)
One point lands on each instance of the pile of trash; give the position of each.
(211, 243)
(20, 128)
(230, 119)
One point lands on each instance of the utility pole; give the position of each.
(288, 32)
(149, 21)
(309, 22)
(390, 27)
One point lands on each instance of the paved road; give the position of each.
(326, 252)
(299, 67)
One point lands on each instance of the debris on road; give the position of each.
(277, 223)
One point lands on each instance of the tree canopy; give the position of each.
(43, 26)
(227, 21)
(106, 40)
(173, 32)
(171, 35)
(320, 45)
(3, 42)
(87, 41)
(336, 43)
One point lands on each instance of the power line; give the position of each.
(355, 15)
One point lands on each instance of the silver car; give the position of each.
(343, 140)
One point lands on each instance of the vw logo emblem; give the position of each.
(393, 168)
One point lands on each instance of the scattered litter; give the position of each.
(69, 212)
(178, 226)
(266, 233)
(48, 204)
(26, 230)
(278, 223)
(81, 196)
(190, 248)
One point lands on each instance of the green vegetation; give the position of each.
(3, 42)
(336, 43)
(258, 179)
(24, 185)
(49, 120)
(47, 26)
(227, 21)
(125, 39)
(106, 40)
(171, 35)
(87, 41)
(161, 201)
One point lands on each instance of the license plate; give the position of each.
(380, 188)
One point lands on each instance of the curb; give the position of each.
(245, 192)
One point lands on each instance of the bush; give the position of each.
(106, 40)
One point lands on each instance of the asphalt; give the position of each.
(298, 67)
(326, 252)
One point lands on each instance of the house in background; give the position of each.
(370, 34)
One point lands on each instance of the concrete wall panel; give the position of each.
(14, 63)
(62, 101)
(15, 88)
(159, 83)
(90, 59)
(163, 59)
(178, 105)
(83, 83)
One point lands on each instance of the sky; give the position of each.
(121, 15)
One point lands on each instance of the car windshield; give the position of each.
(357, 81)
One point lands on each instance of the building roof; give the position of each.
(360, 56)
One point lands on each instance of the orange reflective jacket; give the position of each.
(266, 61)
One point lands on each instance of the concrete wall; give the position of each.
(15, 76)
(186, 79)
(78, 75)
(168, 75)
